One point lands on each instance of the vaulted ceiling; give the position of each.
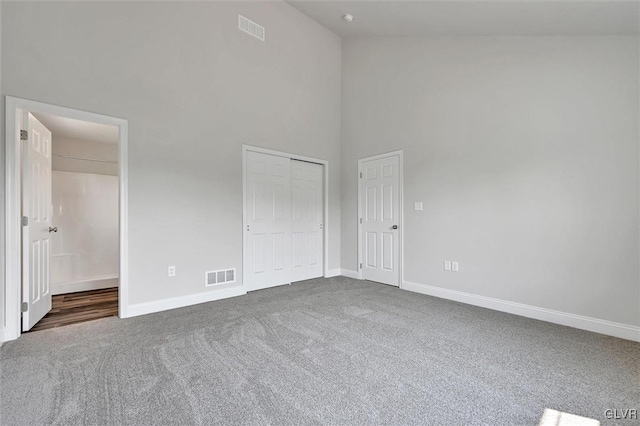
(475, 18)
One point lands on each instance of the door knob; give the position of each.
(55, 229)
(394, 227)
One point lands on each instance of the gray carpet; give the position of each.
(326, 351)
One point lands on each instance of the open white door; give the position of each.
(379, 195)
(36, 211)
(268, 233)
(306, 220)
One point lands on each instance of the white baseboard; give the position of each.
(180, 302)
(64, 288)
(332, 273)
(349, 273)
(623, 331)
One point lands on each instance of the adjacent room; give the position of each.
(81, 245)
(320, 212)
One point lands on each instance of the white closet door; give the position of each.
(307, 220)
(268, 209)
(379, 195)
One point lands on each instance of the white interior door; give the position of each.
(306, 220)
(380, 207)
(268, 210)
(36, 211)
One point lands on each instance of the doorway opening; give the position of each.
(380, 214)
(66, 217)
(70, 174)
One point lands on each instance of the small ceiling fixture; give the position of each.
(347, 17)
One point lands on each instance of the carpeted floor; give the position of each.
(326, 351)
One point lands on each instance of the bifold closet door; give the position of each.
(268, 221)
(284, 220)
(306, 220)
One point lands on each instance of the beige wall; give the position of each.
(194, 89)
(524, 151)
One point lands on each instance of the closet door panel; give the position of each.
(307, 220)
(268, 232)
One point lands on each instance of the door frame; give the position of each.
(400, 155)
(325, 184)
(13, 201)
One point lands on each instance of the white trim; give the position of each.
(349, 273)
(64, 288)
(332, 273)
(324, 163)
(13, 108)
(400, 154)
(623, 331)
(182, 301)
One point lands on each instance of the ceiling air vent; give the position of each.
(223, 276)
(250, 27)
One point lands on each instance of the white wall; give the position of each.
(525, 153)
(524, 150)
(84, 251)
(194, 89)
(71, 155)
(2, 242)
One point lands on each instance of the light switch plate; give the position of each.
(447, 265)
(417, 205)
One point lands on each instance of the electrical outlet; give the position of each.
(447, 265)
(171, 271)
(417, 205)
(455, 267)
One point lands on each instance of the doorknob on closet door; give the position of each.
(55, 229)
(394, 227)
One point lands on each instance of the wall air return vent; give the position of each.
(250, 27)
(223, 276)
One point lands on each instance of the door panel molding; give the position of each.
(325, 197)
(365, 212)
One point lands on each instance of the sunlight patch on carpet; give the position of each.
(558, 418)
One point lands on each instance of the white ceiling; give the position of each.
(75, 129)
(475, 18)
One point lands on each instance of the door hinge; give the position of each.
(361, 266)
(360, 220)
(24, 135)
(360, 175)
(25, 221)
(25, 306)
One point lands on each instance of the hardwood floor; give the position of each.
(78, 307)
